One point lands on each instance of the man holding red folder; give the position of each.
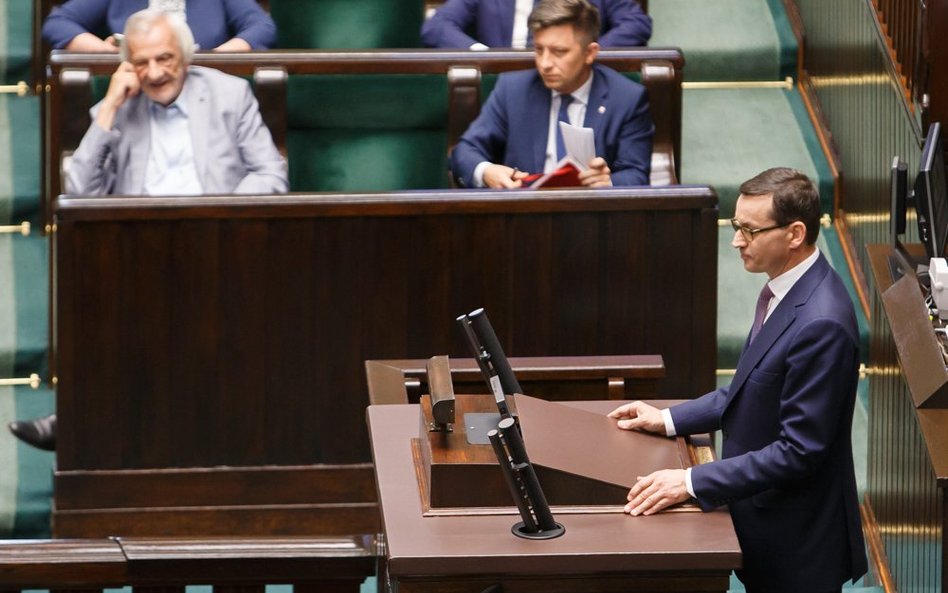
(517, 133)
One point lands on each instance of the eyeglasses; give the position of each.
(748, 233)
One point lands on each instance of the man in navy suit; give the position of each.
(516, 131)
(502, 23)
(786, 419)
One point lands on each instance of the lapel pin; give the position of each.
(602, 109)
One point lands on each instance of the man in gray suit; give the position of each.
(168, 128)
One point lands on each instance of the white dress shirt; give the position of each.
(171, 170)
(780, 286)
(522, 10)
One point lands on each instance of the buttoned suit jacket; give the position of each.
(513, 127)
(787, 464)
(624, 24)
(233, 149)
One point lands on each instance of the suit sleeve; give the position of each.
(248, 21)
(624, 24)
(485, 139)
(700, 415)
(92, 168)
(72, 18)
(812, 400)
(633, 161)
(266, 167)
(445, 28)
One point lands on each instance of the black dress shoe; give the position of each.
(39, 432)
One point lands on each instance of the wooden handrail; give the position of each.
(91, 564)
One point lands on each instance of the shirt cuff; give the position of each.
(669, 423)
(478, 47)
(688, 485)
(478, 177)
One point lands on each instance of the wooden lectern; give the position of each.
(447, 515)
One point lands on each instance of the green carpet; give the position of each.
(726, 39)
(730, 135)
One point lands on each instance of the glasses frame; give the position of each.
(749, 233)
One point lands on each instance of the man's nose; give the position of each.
(153, 72)
(738, 239)
(544, 60)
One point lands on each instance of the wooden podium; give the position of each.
(602, 549)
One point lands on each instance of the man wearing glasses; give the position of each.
(786, 419)
(168, 128)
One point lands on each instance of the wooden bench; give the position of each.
(210, 349)
(441, 93)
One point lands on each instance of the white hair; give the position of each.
(142, 22)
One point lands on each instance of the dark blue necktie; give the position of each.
(563, 116)
(761, 310)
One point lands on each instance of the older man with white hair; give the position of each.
(168, 128)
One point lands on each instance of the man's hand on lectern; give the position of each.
(657, 491)
(639, 416)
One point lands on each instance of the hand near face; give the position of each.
(124, 85)
(597, 175)
(503, 177)
(656, 491)
(639, 416)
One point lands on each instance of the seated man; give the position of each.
(165, 128)
(220, 25)
(518, 124)
(503, 23)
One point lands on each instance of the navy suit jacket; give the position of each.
(623, 24)
(786, 421)
(212, 21)
(513, 126)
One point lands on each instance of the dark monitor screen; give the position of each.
(931, 195)
(900, 262)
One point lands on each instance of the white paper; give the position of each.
(580, 144)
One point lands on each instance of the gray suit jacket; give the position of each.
(233, 149)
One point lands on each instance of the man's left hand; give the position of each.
(597, 175)
(657, 491)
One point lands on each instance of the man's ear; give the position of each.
(592, 50)
(797, 230)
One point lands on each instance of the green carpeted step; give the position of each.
(19, 159)
(738, 290)
(730, 135)
(16, 40)
(726, 39)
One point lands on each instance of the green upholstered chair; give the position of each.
(347, 24)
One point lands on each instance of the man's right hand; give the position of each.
(124, 85)
(503, 177)
(639, 416)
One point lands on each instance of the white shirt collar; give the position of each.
(782, 284)
(581, 94)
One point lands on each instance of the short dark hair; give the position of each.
(580, 13)
(794, 198)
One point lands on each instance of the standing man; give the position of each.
(503, 23)
(517, 131)
(168, 128)
(786, 419)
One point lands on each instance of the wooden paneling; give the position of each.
(232, 331)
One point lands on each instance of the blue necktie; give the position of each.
(565, 100)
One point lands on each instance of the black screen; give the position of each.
(931, 195)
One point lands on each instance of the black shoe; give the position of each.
(39, 432)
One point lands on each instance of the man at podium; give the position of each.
(786, 419)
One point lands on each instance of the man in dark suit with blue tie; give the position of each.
(494, 23)
(786, 419)
(516, 132)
